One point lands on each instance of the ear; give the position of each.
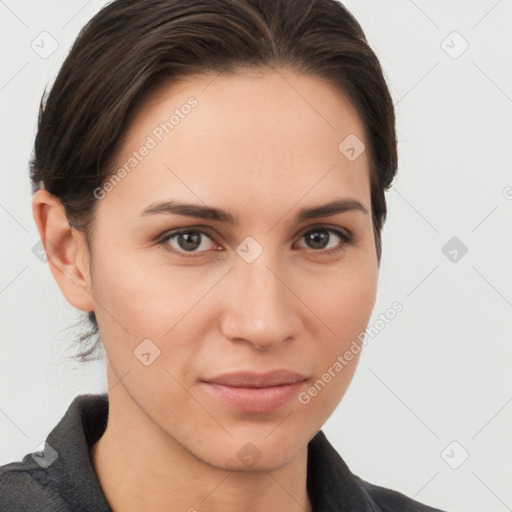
(66, 250)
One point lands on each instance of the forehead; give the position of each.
(260, 136)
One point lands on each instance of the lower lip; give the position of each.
(255, 400)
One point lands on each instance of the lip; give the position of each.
(256, 392)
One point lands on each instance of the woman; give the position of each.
(209, 183)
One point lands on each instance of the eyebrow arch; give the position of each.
(211, 213)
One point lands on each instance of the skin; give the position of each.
(261, 145)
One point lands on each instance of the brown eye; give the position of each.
(324, 239)
(187, 241)
(196, 242)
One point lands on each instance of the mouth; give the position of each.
(256, 392)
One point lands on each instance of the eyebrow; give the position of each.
(217, 214)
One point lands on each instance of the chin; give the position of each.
(260, 455)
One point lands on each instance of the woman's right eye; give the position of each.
(189, 241)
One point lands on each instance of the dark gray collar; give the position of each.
(330, 484)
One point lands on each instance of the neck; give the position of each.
(143, 468)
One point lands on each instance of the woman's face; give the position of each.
(262, 286)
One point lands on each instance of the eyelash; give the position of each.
(346, 238)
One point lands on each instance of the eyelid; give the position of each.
(165, 237)
(346, 236)
(331, 228)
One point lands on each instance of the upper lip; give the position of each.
(251, 379)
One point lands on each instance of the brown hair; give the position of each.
(131, 47)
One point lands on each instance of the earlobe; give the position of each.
(66, 250)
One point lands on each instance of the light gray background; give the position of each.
(441, 370)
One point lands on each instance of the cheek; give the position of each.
(126, 307)
(351, 308)
(336, 355)
(344, 300)
(143, 293)
(142, 296)
(345, 304)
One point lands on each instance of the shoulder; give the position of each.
(389, 500)
(333, 486)
(24, 485)
(61, 477)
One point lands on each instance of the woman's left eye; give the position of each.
(320, 238)
(192, 241)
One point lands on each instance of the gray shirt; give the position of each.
(63, 478)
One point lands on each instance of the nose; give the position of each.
(261, 309)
